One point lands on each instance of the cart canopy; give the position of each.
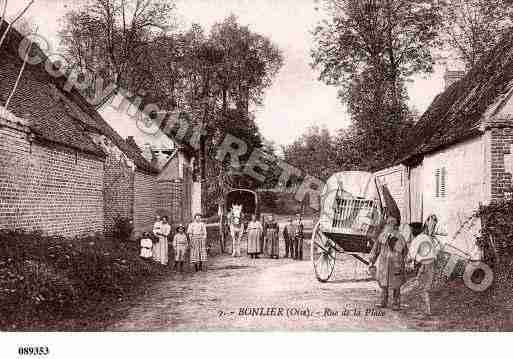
(350, 204)
(247, 198)
(353, 184)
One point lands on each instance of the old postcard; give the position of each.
(233, 165)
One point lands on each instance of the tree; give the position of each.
(251, 63)
(110, 39)
(389, 38)
(375, 147)
(473, 27)
(220, 77)
(313, 153)
(378, 127)
(369, 49)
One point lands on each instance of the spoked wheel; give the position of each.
(323, 255)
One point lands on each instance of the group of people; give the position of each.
(265, 239)
(192, 240)
(391, 254)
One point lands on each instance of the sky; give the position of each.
(296, 100)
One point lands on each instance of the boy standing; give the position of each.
(180, 244)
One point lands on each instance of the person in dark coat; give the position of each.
(287, 237)
(389, 253)
(298, 238)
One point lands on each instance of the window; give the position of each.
(441, 182)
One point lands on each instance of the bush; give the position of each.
(53, 277)
(496, 238)
(496, 242)
(123, 228)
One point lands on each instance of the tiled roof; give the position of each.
(56, 115)
(469, 105)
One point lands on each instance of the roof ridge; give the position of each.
(10, 46)
(462, 108)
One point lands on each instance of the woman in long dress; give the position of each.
(156, 247)
(163, 235)
(271, 232)
(197, 232)
(254, 236)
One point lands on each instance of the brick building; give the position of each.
(179, 191)
(63, 169)
(461, 151)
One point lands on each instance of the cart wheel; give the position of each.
(323, 255)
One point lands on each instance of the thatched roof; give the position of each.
(469, 106)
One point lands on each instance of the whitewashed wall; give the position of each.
(466, 187)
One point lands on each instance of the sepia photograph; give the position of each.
(220, 166)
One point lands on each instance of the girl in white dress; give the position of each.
(146, 246)
(156, 230)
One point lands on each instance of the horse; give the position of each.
(236, 228)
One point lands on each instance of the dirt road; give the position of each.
(261, 294)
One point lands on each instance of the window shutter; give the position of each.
(443, 182)
(437, 183)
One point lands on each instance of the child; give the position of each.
(180, 244)
(424, 250)
(146, 246)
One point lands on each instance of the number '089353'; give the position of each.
(33, 350)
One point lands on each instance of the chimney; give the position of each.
(451, 77)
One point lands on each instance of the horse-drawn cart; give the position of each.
(238, 204)
(354, 210)
(354, 207)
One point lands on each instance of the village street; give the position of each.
(213, 300)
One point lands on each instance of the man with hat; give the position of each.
(298, 237)
(389, 254)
